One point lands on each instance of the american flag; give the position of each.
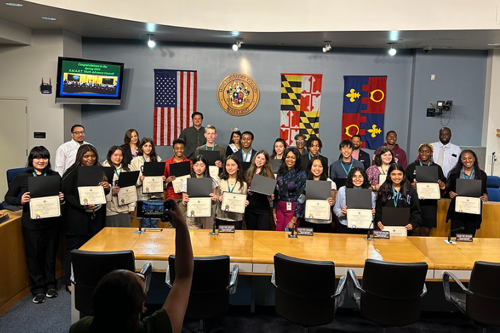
(175, 101)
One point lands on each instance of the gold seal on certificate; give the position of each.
(233, 202)
(152, 184)
(317, 209)
(468, 205)
(91, 195)
(428, 191)
(45, 207)
(396, 231)
(177, 183)
(127, 195)
(199, 207)
(359, 218)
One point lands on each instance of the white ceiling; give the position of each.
(93, 26)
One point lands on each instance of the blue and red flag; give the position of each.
(364, 109)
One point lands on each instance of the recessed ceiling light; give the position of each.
(48, 18)
(14, 4)
(494, 44)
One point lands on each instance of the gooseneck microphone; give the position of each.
(451, 231)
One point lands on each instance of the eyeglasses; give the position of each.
(79, 132)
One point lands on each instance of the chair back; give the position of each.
(209, 290)
(11, 173)
(304, 290)
(89, 267)
(392, 292)
(493, 188)
(484, 305)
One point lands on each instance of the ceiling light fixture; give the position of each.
(327, 46)
(392, 51)
(14, 4)
(151, 41)
(48, 18)
(237, 45)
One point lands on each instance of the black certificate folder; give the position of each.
(44, 186)
(427, 174)
(90, 176)
(210, 155)
(199, 187)
(155, 169)
(392, 216)
(128, 178)
(318, 190)
(263, 185)
(469, 188)
(358, 198)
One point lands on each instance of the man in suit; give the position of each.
(359, 154)
(246, 153)
(314, 145)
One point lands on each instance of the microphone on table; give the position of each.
(292, 235)
(213, 232)
(369, 232)
(449, 241)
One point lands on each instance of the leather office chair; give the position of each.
(493, 188)
(391, 292)
(210, 289)
(89, 267)
(305, 290)
(481, 302)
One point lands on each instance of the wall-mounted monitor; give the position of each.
(84, 81)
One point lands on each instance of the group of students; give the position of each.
(282, 210)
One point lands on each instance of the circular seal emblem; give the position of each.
(238, 94)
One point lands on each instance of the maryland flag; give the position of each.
(300, 105)
(364, 109)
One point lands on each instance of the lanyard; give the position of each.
(229, 188)
(311, 156)
(206, 147)
(464, 176)
(118, 173)
(35, 175)
(245, 156)
(428, 163)
(144, 159)
(350, 167)
(396, 196)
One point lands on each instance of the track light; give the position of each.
(327, 47)
(392, 51)
(237, 45)
(151, 41)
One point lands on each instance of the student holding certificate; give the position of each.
(317, 172)
(230, 212)
(467, 167)
(427, 206)
(81, 222)
(147, 153)
(200, 170)
(41, 236)
(289, 200)
(356, 179)
(278, 149)
(377, 173)
(397, 192)
(258, 211)
(117, 215)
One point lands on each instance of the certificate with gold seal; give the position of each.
(127, 195)
(317, 209)
(359, 218)
(177, 183)
(152, 184)
(428, 191)
(91, 195)
(233, 202)
(199, 207)
(45, 207)
(468, 205)
(396, 231)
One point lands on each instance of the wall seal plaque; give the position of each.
(238, 94)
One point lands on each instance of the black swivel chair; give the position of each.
(305, 290)
(212, 285)
(89, 267)
(391, 292)
(481, 302)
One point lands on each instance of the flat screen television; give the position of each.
(84, 81)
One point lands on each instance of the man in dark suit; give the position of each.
(246, 153)
(314, 145)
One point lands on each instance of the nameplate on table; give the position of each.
(464, 238)
(226, 229)
(381, 234)
(305, 231)
(4, 217)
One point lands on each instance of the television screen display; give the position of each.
(83, 81)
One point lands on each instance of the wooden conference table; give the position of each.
(253, 251)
